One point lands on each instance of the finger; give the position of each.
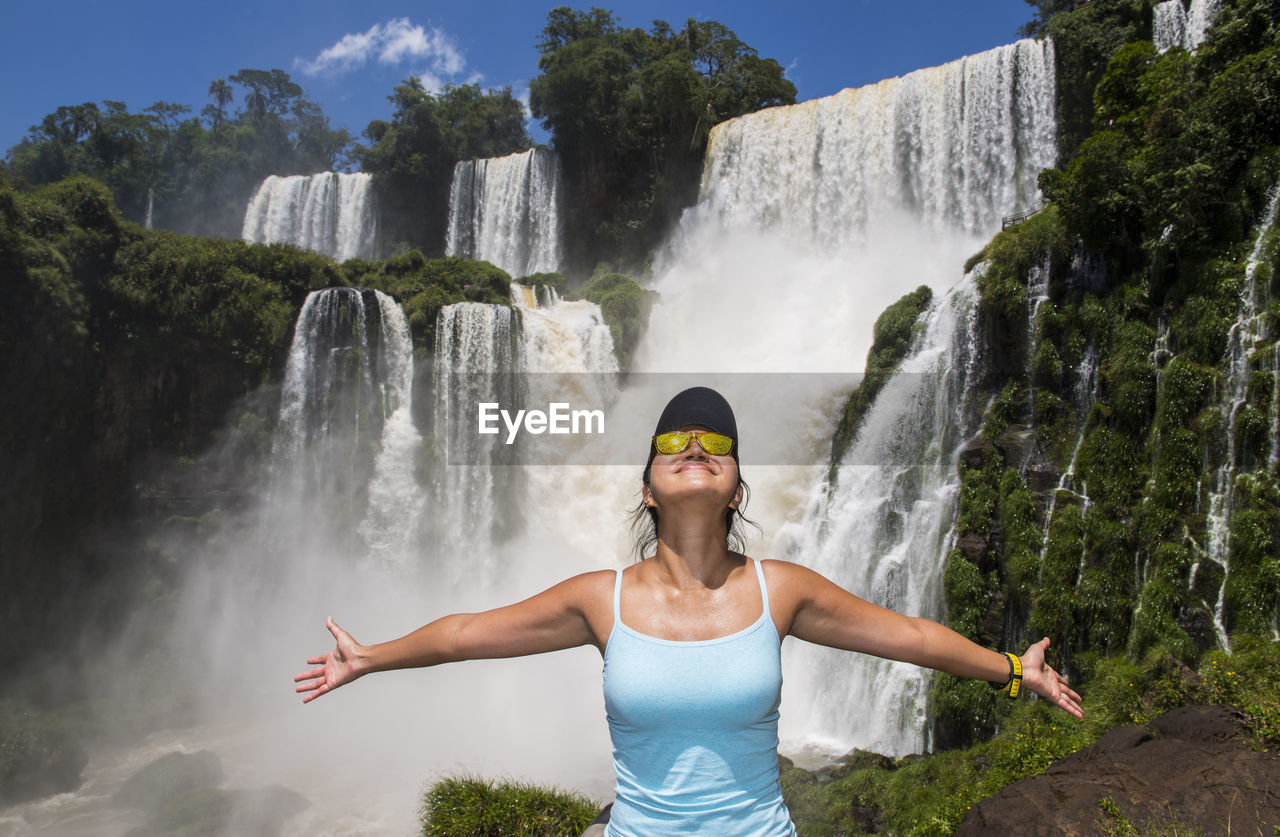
(310, 674)
(317, 660)
(309, 686)
(333, 627)
(317, 693)
(1071, 707)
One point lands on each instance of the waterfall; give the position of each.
(330, 213)
(345, 432)
(822, 208)
(1037, 296)
(475, 358)
(1085, 394)
(528, 355)
(151, 202)
(958, 146)
(1174, 26)
(395, 499)
(1248, 334)
(506, 210)
(882, 532)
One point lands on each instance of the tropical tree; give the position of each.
(222, 96)
(630, 111)
(412, 156)
(1045, 10)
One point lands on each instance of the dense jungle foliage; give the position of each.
(1147, 235)
(197, 172)
(629, 113)
(1086, 507)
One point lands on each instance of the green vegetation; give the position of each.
(625, 307)
(892, 336)
(199, 171)
(412, 156)
(921, 796)
(1164, 179)
(629, 112)
(1165, 187)
(423, 286)
(127, 344)
(471, 807)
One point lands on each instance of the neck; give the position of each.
(694, 553)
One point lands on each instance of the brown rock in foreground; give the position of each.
(1191, 766)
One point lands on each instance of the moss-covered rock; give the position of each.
(625, 307)
(892, 336)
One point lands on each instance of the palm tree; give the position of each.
(220, 92)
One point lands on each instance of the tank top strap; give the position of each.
(617, 597)
(764, 590)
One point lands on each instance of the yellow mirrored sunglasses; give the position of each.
(716, 444)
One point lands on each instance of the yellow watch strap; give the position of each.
(1014, 686)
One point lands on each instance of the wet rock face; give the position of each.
(177, 794)
(38, 762)
(1191, 766)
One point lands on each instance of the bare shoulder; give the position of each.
(586, 588)
(791, 586)
(790, 576)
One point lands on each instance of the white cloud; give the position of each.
(392, 42)
(521, 92)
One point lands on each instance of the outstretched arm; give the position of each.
(558, 618)
(818, 611)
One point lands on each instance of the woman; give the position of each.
(690, 638)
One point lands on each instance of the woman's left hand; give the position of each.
(1039, 677)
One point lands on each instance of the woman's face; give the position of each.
(693, 476)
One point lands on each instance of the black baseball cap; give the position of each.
(702, 406)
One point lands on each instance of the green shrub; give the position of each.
(625, 307)
(474, 807)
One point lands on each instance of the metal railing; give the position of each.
(1010, 220)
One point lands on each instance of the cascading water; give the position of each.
(475, 361)
(1037, 296)
(1085, 394)
(506, 211)
(395, 500)
(329, 383)
(349, 380)
(529, 355)
(1249, 334)
(331, 213)
(823, 207)
(957, 146)
(1176, 26)
(881, 531)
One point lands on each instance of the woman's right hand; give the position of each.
(332, 669)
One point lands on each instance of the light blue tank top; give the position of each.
(695, 731)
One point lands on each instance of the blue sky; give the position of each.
(348, 56)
